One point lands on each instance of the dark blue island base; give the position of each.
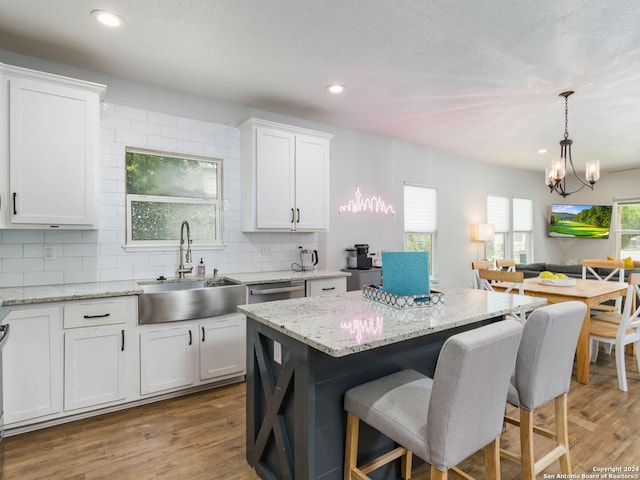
(295, 418)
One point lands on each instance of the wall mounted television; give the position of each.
(580, 221)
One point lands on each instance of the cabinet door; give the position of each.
(167, 359)
(312, 183)
(53, 129)
(94, 366)
(274, 179)
(222, 347)
(32, 365)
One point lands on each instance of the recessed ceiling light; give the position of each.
(336, 88)
(109, 19)
(542, 150)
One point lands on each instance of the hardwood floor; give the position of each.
(201, 436)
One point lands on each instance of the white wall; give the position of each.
(378, 165)
(384, 165)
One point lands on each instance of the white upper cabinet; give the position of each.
(49, 150)
(285, 177)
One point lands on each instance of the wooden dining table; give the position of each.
(589, 292)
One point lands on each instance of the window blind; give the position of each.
(498, 213)
(420, 209)
(522, 215)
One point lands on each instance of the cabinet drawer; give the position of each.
(99, 312)
(326, 286)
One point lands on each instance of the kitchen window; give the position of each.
(626, 220)
(421, 220)
(163, 189)
(512, 219)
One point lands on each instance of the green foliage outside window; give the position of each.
(419, 242)
(630, 217)
(629, 220)
(170, 176)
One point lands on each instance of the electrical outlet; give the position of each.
(266, 249)
(49, 252)
(277, 352)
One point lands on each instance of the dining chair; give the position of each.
(543, 373)
(515, 280)
(480, 265)
(443, 419)
(618, 330)
(613, 271)
(506, 264)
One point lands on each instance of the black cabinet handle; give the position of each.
(15, 212)
(326, 289)
(104, 315)
(122, 341)
(292, 216)
(5, 334)
(190, 338)
(298, 211)
(203, 334)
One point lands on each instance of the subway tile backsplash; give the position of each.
(93, 256)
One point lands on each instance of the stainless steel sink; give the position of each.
(159, 286)
(175, 301)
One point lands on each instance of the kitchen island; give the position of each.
(303, 354)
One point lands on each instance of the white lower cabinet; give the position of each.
(32, 365)
(97, 351)
(76, 357)
(167, 358)
(325, 286)
(67, 359)
(222, 347)
(94, 366)
(175, 356)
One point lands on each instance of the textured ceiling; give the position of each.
(477, 78)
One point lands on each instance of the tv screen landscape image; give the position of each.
(580, 221)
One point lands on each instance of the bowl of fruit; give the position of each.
(557, 279)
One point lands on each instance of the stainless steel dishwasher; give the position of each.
(268, 292)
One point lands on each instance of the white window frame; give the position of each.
(617, 230)
(217, 203)
(506, 224)
(423, 222)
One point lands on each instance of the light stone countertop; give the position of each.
(12, 296)
(347, 323)
(283, 276)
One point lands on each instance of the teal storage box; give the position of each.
(405, 273)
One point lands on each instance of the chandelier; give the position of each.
(556, 175)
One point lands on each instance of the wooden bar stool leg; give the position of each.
(562, 432)
(492, 460)
(351, 445)
(437, 474)
(407, 460)
(526, 444)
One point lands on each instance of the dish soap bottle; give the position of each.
(201, 269)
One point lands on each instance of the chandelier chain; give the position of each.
(566, 117)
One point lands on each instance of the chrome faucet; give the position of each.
(187, 258)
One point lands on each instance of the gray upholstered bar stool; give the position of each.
(543, 373)
(445, 419)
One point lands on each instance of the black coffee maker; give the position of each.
(363, 260)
